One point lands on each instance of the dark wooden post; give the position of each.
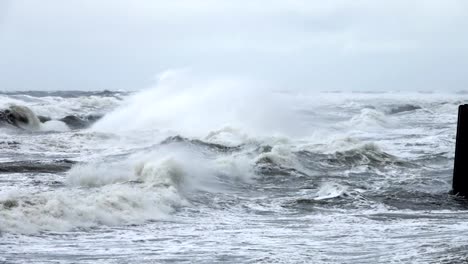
(460, 168)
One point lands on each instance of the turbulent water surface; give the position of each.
(205, 175)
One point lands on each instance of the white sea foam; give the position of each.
(143, 186)
(71, 208)
(54, 125)
(105, 194)
(330, 190)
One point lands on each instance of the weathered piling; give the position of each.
(460, 168)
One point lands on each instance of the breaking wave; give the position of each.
(68, 209)
(142, 187)
(111, 194)
(23, 117)
(369, 118)
(367, 154)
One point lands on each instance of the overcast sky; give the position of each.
(320, 45)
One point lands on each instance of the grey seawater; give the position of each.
(367, 183)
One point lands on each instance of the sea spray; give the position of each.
(193, 106)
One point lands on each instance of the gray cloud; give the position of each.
(4, 6)
(321, 45)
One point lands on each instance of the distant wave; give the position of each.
(67, 94)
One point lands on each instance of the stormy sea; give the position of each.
(222, 171)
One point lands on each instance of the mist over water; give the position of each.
(192, 106)
(200, 169)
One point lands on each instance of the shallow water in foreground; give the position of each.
(324, 178)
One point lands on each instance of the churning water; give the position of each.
(227, 171)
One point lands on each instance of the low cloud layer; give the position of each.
(319, 45)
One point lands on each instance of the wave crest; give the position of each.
(369, 118)
(367, 154)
